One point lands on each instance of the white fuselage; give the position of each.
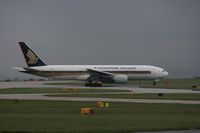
(79, 72)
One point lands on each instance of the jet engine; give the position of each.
(121, 79)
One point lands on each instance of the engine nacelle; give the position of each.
(120, 79)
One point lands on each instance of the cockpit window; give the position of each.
(163, 70)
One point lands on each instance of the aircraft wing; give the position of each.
(98, 73)
(104, 77)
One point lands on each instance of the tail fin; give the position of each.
(31, 58)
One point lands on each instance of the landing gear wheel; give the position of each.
(155, 82)
(99, 83)
(94, 83)
(87, 83)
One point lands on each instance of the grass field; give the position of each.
(172, 96)
(54, 90)
(64, 117)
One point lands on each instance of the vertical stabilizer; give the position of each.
(31, 58)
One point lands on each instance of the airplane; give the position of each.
(93, 75)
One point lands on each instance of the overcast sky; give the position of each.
(163, 33)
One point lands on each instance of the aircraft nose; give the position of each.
(166, 74)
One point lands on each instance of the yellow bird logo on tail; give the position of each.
(32, 57)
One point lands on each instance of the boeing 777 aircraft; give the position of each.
(93, 75)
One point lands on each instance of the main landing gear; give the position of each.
(93, 83)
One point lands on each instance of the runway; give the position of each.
(132, 88)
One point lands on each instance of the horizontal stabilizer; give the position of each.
(19, 68)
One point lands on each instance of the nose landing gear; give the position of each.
(155, 82)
